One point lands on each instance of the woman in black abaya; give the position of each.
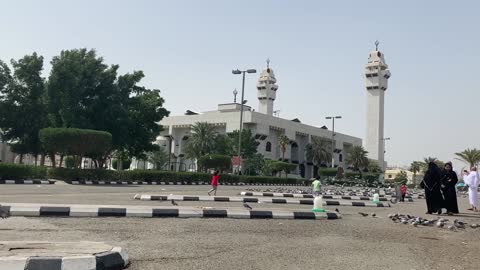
(431, 184)
(449, 180)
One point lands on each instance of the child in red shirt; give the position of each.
(215, 178)
(403, 191)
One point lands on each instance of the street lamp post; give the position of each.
(384, 151)
(238, 72)
(333, 136)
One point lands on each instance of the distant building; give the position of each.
(391, 174)
(265, 127)
(6, 156)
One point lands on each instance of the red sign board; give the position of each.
(235, 161)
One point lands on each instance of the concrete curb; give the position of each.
(96, 182)
(337, 197)
(116, 258)
(147, 197)
(27, 182)
(57, 210)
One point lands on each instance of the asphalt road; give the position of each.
(354, 242)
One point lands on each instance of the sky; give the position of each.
(318, 50)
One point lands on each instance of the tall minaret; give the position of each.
(376, 83)
(266, 90)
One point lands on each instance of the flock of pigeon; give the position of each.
(438, 222)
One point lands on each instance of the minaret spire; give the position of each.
(376, 45)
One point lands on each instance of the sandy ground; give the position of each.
(354, 242)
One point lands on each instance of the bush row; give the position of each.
(21, 172)
(160, 176)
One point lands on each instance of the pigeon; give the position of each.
(451, 227)
(247, 206)
(3, 214)
(459, 224)
(174, 203)
(363, 214)
(440, 224)
(336, 210)
(474, 226)
(373, 214)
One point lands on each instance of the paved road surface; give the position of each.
(354, 242)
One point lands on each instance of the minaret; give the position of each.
(376, 83)
(266, 90)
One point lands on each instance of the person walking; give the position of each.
(431, 184)
(403, 192)
(472, 182)
(317, 187)
(215, 177)
(448, 188)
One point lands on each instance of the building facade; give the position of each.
(265, 127)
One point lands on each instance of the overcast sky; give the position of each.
(318, 50)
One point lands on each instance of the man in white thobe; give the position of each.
(472, 181)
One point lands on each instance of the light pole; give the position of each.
(238, 72)
(384, 151)
(333, 135)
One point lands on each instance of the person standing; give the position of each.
(316, 187)
(215, 177)
(472, 181)
(431, 184)
(403, 192)
(448, 185)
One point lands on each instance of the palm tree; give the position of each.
(201, 141)
(469, 156)
(415, 168)
(320, 150)
(357, 157)
(283, 142)
(435, 160)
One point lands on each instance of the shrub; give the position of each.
(69, 162)
(75, 142)
(125, 164)
(160, 176)
(21, 172)
(353, 175)
(327, 172)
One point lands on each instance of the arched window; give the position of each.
(268, 147)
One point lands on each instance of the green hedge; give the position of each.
(21, 172)
(327, 171)
(161, 176)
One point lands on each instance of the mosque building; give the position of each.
(265, 126)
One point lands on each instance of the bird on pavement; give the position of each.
(336, 210)
(3, 214)
(174, 203)
(363, 214)
(247, 206)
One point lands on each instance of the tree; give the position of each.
(158, 158)
(320, 150)
(22, 97)
(249, 144)
(283, 142)
(253, 165)
(373, 167)
(469, 156)
(85, 93)
(401, 178)
(201, 141)
(427, 160)
(280, 166)
(415, 168)
(78, 143)
(224, 145)
(357, 157)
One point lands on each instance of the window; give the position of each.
(340, 158)
(268, 147)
